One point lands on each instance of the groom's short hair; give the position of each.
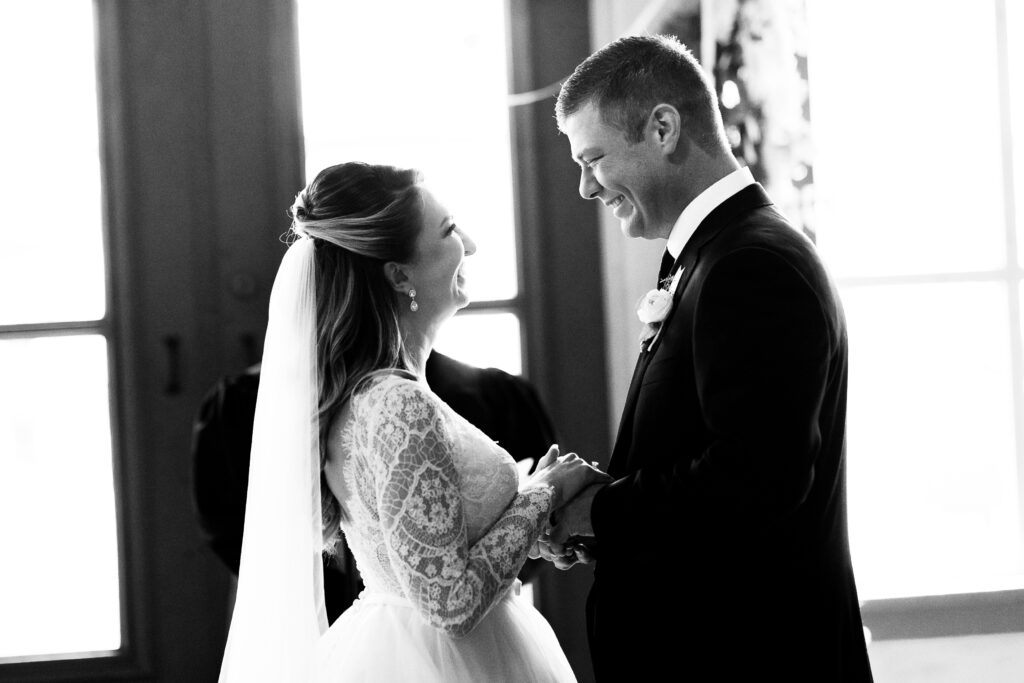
(627, 78)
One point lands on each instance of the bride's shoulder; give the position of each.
(396, 391)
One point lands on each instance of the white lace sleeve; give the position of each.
(452, 584)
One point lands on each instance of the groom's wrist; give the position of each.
(598, 509)
(591, 495)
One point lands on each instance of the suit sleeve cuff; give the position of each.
(608, 512)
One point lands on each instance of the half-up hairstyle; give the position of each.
(360, 217)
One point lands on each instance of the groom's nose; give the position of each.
(589, 187)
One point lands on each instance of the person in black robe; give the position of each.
(504, 407)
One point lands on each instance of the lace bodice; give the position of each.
(433, 510)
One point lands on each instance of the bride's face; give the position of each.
(437, 270)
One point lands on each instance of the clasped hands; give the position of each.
(568, 537)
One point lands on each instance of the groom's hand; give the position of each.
(576, 551)
(564, 544)
(573, 518)
(544, 547)
(559, 555)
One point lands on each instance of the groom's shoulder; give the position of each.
(766, 231)
(765, 227)
(763, 252)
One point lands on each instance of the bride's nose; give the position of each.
(468, 244)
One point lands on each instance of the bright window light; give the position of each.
(51, 262)
(912, 202)
(908, 177)
(423, 85)
(59, 577)
(1015, 54)
(932, 467)
(483, 339)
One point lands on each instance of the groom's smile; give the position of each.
(620, 206)
(615, 170)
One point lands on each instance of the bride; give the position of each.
(349, 439)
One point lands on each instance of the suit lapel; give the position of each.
(629, 410)
(618, 460)
(747, 199)
(687, 267)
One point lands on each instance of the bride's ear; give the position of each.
(397, 277)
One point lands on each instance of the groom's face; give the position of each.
(623, 175)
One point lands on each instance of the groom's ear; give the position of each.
(665, 128)
(397, 276)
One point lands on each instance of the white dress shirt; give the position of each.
(702, 205)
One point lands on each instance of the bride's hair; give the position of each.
(360, 216)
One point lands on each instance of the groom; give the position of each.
(721, 545)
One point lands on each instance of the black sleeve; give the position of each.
(521, 425)
(221, 440)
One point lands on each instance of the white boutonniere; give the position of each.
(654, 307)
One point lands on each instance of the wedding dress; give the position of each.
(439, 530)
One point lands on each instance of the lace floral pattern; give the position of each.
(434, 514)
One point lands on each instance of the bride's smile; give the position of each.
(437, 271)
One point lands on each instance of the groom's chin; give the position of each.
(631, 227)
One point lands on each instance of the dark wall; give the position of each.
(202, 150)
(563, 271)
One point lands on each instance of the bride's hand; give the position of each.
(567, 474)
(548, 459)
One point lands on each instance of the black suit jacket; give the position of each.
(722, 543)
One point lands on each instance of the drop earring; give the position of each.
(413, 306)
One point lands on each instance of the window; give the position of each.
(423, 85)
(59, 581)
(913, 110)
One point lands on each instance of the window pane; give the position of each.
(486, 340)
(430, 98)
(59, 575)
(932, 472)
(1015, 49)
(52, 253)
(908, 173)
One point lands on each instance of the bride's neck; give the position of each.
(418, 345)
(418, 334)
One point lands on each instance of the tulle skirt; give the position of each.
(382, 638)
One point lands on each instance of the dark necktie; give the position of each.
(666, 265)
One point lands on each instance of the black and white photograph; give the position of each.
(512, 341)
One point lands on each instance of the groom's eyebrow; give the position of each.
(581, 157)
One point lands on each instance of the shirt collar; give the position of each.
(704, 203)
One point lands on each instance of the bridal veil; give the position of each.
(279, 610)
